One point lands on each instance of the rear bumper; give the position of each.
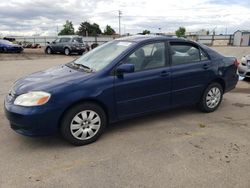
(231, 83)
(78, 50)
(32, 121)
(244, 71)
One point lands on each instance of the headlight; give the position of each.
(243, 60)
(34, 98)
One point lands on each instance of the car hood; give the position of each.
(247, 57)
(50, 80)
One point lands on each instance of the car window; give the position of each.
(148, 57)
(203, 55)
(77, 39)
(103, 55)
(64, 39)
(57, 40)
(182, 53)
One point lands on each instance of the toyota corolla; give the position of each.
(121, 79)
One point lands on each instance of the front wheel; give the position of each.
(48, 50)
(83, 124)
(211, 98)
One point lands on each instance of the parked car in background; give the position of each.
(7, 46)
(121, 79)
(244, 67)
(66, 45)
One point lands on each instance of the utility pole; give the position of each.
(119, 16)
(57, 30)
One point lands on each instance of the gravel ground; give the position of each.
(177, 148)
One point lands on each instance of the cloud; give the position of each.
(29, 17)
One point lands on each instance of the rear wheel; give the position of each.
(83, 124)
(211, 98)
(66, 51)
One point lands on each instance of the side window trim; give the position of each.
(205, 53)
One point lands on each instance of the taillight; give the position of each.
(236, 63)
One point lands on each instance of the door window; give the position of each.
(148, 57)
(57, 40)
(65, 40)
(183, 53)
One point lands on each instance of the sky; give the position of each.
(41, 17)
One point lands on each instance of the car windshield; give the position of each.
(5, 42)
(78, 39)
(103, 55)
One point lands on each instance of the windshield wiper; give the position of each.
(81, 66)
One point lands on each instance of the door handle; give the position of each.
(164, 73)
(206, 66)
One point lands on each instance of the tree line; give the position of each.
(85, 29)
(89, 29)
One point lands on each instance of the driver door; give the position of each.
(148, 88)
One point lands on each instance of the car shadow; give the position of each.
(151, 119)
(56, 141)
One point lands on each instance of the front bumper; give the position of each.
(33, 121)
(244, 71)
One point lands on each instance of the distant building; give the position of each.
(241, 38)
(200, 32)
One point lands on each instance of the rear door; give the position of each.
(63, 42)
(191, 71)
(148, 88)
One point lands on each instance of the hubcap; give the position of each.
(213, 97)
(67, 51)
(85, 125)
(48, 50)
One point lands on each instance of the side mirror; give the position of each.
(125, 68)
(53, 42)
(48, 42)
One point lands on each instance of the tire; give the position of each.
(80, 53)
(83, 124)
(211, 98)
(48, 50)
(247, 79)
(67, 51)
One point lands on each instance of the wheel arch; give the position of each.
(221, 82)
(81, 101)
(67, 47)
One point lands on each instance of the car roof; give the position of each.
(148, 38)
(68, 36)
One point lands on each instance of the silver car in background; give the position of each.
(244, 66)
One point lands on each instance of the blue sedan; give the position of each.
(121, 79)
(7, 46)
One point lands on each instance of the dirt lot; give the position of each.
(178, 148)
(31, 54)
